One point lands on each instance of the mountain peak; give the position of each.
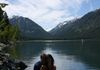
(28, 28)
(87, 26)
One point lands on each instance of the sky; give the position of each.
(49, 13)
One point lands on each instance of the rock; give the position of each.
(9, 64)
(2, 46)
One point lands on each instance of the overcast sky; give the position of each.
(49, 13)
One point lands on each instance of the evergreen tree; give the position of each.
(7, 31)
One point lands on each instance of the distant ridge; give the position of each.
(86, 27)
(28, 28)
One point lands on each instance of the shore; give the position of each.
(6, 62)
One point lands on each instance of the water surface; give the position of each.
(68, 55)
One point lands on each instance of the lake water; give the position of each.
(68, 54)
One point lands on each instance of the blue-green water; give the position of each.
(68, 55)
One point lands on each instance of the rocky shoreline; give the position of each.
(6, 62)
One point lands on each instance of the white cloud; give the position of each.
(47, 13)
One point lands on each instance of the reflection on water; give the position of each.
(68, 55)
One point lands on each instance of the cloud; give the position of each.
(47, 13)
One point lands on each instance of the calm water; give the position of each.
(68, 55)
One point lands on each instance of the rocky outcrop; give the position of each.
(6, 63)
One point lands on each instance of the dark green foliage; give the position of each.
(8, 33)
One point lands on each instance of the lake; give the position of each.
(68, 54)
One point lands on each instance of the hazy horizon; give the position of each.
(49, 13)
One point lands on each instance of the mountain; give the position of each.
(28, 28)
(86, 27)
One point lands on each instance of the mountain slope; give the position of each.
(29, 29)
(87, 26)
